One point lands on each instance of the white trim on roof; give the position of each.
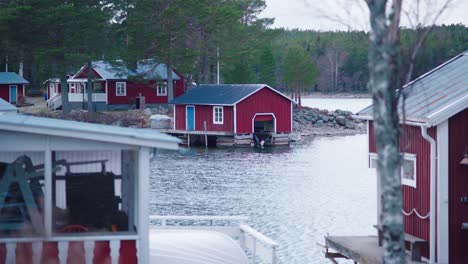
(448, 111)
(111, 138)
(265, 86)
(465, 53)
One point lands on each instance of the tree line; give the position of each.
(52, 38)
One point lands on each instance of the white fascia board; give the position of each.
(266, 86)
(125, 140)
(448, 111)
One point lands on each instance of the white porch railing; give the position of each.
(54, 102)
(79, 97)
(250, 240)
(63, 245)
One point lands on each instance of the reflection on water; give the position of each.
(295, 195)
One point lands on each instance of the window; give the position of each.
(22, 194)
(217, 115)
(121, 89)
(161, 89)
(108, 203)
(72, 88)
(98, 88)
(408, 168)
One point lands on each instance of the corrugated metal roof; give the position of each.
(88, 131)
(117, 70)
(11, 78)
(7, 107)
(152, 70)
(219, 94)
(436, 95)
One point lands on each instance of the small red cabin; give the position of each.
(116, 87)
(12, 87)
(434, 147)
(233, 109)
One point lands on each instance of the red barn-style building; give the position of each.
(254, 110)
(116, 87)
(434, 147)
(12, 87)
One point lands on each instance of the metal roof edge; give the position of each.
(465, 53)
(169, 143)
(448, 111)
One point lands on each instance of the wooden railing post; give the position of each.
(114, 251)
(10, 252)
(254, 249)
(89, 251)
(36, 252)
(62, 251)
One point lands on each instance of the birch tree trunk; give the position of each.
(170, 83)
(384, 47)
(90, 87)
(64, 86)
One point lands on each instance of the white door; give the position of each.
(52, 90)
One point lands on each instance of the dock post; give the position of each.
(206, 136)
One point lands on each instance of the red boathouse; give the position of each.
(242, 112)
(116, 87)
(434, 147)
(12, 87)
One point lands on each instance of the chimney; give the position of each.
(20, 71)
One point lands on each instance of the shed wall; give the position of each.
(264, 101)
(146, 89)
(458, 188)
(5, 91)
(411, 141)
(205, 113)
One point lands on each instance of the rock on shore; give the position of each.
(315, 122)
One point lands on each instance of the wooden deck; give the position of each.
(361, 249)
(193, 132)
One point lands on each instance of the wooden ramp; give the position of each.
(361, 249)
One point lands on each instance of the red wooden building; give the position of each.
(433, 143)
(12, 87)
(254, 110)
(116, 87)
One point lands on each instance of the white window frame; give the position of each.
(121, 93)
(404, 156)
(215, 121)
(165, 89)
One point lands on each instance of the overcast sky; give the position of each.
(322, 14)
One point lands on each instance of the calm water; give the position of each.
(295, 195)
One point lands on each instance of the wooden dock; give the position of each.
(361, 249)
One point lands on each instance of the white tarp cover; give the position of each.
(194, 247)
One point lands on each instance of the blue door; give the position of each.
(13, 94)
(190, 117)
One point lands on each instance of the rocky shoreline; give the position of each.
(315, 122)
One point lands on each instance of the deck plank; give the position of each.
(362, 249)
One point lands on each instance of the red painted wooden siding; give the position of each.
(146, 89)
(411, 141)
(205, 113)
(264, 101)
(458, 187)
(134, 89)
(5, 91)
(75, 253)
